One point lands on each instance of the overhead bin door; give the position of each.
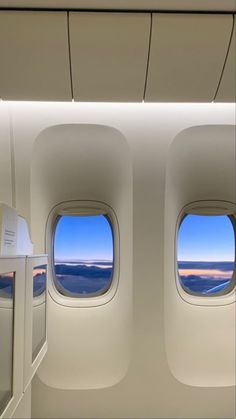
(34, 56)
(109, 55)
(227, 88)
(187, 56)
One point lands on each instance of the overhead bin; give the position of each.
(34, 56)
(109, 54)
(227, 88)
(187, 56)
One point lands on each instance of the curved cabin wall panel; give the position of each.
(187, 56)
(227, 88)
(91, 348)
(109, 55)
(200, 340)
(34, 56)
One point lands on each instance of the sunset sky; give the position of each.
(205, 273)
(200, 238)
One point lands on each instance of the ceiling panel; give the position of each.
(187, 56)
(227, 88)
(178, 5)
(109, 53)
(34, 56)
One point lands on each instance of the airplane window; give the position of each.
(206, 254)
(39, 309)
(39, 276)
(83, 255)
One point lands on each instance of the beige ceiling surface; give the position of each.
(174, 5)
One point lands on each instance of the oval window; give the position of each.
(206, 254)
(83, 255)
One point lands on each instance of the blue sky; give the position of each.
(206, 238)
(83, 238)
(200, 238)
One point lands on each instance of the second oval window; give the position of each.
(206, 254)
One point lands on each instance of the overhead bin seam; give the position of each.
(226, 57)
(167, 11)
(69, 52)
(148, 58)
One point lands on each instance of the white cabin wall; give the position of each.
(23, 410)
(200, 337)
(88, 162)
(149, 389)
(6, 156)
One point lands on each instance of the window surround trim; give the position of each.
(206, 207)
(83, 207)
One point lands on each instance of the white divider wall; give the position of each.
(16, 265)
(23, 409)
(35, 320)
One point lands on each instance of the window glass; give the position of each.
(39, 309)
(206, 254)
(39, 278)
(83, 255)
(7, 281)
(6, 285)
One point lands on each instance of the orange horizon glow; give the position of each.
(206, 272)
(39, 271)
(8, 274)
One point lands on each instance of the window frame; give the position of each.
(207, 208)
(32, 362)
(16, 264)
(82, 208)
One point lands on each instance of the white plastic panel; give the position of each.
(16, 265)
(23, 409)
(7, 309)
(96, 167)
(227, 88)
(35, 315)
(34, 56)
(109, 55)
(187, 56)
(200, 340)
(8, 230)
